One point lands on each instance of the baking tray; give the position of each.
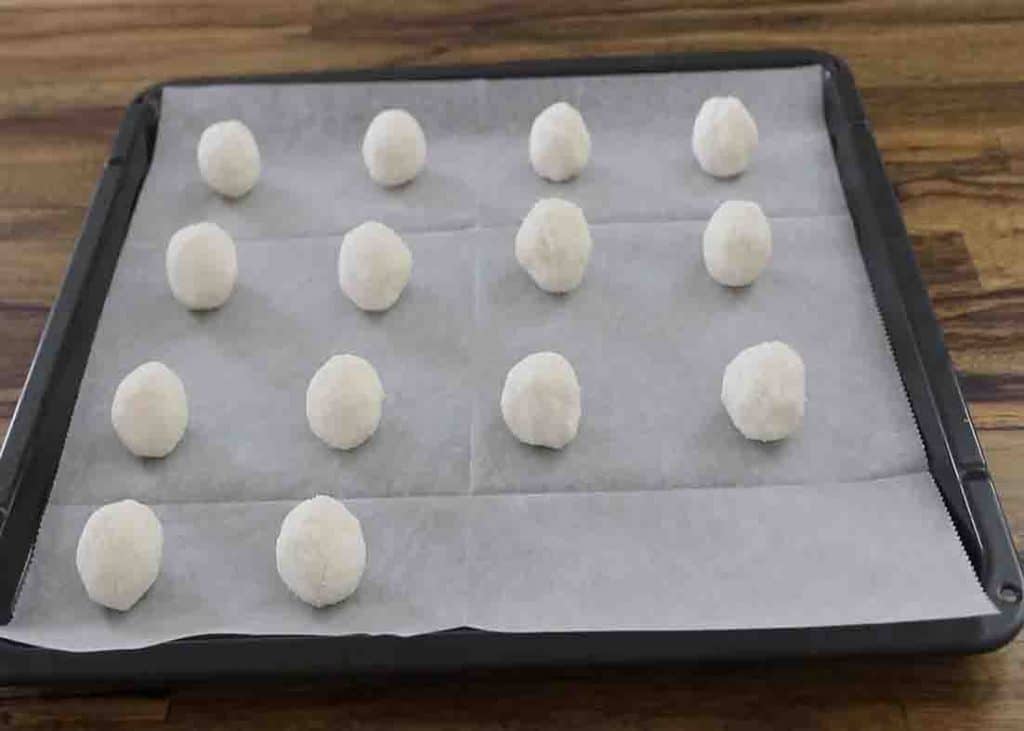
(32, 449)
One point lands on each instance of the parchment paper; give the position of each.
(696, 559)
(659, 516)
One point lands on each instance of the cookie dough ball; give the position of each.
(150, 410)
(737, 243)
(119, 552)
(343, 401)
(763, 390)
(321, 553)
(559, 143)
(724, 136)
(394, 148)
(553, 244)
(229, 159)
(202, 266)
(541, 400)
(374, 265)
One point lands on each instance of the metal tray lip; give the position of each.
(306, 656)
(594, 65)
(972, 634)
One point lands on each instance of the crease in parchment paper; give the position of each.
(659, 516)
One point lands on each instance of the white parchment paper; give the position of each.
(659, 516)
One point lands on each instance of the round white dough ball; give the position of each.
(394, 148)
(343, 401)
(321, 553)
(119, 552)
(150, 410)
(763, 390)
(559, 143)
(374, 265)
(737, 243)
(202, 266)
(229, 159)
(724, 136)
(541, 400)
(553, 244)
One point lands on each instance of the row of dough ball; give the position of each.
(150, 413)
(763, 391)
(344, 403)
(395, 149)
(553, 244)
(374, 265)
(320, 552)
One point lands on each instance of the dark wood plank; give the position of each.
(71, 712)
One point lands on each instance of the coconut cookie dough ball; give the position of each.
(150, 410)
(343, 401)
(763, 390)
(559, 143)
(202, 266)
(119, 552)
(321, 553)
(553, 244)
(724, 136)
(541, 400)
(374, 265)
(394, 148)
(229, 159)
(737, 243)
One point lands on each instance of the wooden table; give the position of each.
(944, 86)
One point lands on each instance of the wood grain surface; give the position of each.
(944, 85)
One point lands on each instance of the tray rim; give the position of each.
(955, 456)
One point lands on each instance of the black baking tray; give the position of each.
(32, 449)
